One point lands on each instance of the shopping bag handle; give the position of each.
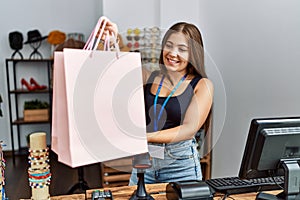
(107, 47)
(92, 45)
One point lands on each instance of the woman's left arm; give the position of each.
(195, 116)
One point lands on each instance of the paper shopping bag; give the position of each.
(98, 106)
(59, 133)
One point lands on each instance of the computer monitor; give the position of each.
(273, 149)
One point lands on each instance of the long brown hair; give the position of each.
(196, 57)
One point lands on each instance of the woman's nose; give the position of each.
(173, 52)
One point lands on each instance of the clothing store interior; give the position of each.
(151, 99)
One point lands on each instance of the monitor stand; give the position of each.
(291, 183)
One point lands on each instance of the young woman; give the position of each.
(178, 101)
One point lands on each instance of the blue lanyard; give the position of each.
(166, 100)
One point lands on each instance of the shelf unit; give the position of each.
(15, 119)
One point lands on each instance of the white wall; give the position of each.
(23, 16)
(255, 45)
(174, 11)
(132, 13)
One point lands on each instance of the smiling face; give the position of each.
(173, 57)
(176, 53)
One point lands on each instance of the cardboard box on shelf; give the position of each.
(36, 115)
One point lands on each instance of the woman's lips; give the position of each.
(172, 61)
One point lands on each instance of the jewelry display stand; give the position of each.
(38, 143)
(2, 169)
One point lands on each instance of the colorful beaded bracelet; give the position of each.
(32, 157)
(33, 169)
(40, 174)
(34, 162)
(39, 177)
(39, 180)
(39, 185)
(38, 150)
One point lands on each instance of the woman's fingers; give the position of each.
(110, 29)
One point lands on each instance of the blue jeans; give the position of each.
(181, 162)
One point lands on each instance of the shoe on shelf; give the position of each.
(27, 85)
(36, 85)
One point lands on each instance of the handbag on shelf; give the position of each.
(98, 105)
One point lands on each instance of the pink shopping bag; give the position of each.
(98, 106)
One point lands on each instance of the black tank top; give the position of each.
(175, 109)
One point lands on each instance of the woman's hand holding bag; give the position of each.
(103, 31)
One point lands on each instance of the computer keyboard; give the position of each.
(235, 185)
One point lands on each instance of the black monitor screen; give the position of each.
(270, 141)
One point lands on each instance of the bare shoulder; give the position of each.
(204, 85)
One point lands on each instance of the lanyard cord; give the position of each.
(166, 100)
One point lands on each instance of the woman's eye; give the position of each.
(169, 46)
(183, 49)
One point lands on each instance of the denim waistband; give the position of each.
(185, 143)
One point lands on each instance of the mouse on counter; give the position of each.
(189, 190)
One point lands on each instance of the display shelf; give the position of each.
(22, 91)
(15, 95)
(21, 121)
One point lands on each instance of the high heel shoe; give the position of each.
(36, 85)
(27, 85)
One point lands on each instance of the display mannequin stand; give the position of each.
(35, 53)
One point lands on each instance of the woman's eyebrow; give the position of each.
(183, 45)
(180, 45)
